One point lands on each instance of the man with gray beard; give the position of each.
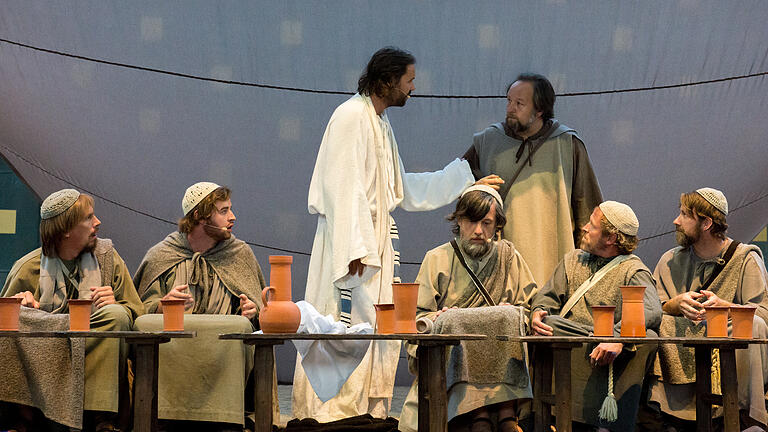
(708, 269)
(496, 301)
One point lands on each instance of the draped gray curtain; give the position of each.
(136, 138)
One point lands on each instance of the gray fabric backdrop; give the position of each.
(136, 139)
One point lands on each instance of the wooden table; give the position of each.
(556, 350)
(432, 381)
(147, 347)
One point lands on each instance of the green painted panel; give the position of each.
(17, 196)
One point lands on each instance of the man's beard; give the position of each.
(686, 240)
(518, 127)
(474, 250)
(90, 246)
(396, 97)
(217, 234)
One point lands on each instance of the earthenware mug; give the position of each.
(717, 321)
(602, 316)
(9, 313)
(80, 314)
(173, 315)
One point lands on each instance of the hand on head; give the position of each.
(102, 296)
(249, 308)
(492, 180)
(28, 299)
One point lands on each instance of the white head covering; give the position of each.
(486, 189)
(714, 197)
(196, 193)
(58, 202)
(620, 216)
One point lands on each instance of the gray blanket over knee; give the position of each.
(46, 373)
(488, 361)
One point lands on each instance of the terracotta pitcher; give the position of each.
(80, 314)
(742, 317)
(173, 315)
(385, 318)
(279, 314)
(632, 311)
(717, 321)
(405, 296)
(602, 316)
(9, 313)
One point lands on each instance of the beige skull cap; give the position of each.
(486, 189)
(58, 202)
(196, 193)
(714, 197)
(621, 216)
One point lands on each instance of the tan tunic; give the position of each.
(443, 282)
(742, 281)
(590, 384)
(208, 391)
(550, 200)
(101, 382)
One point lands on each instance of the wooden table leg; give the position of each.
(561, 357)
(729, 388)
(263, 370)
(433, 395)
(145, 387)
(542, 385)
(703, 388)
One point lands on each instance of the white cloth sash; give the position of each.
(589, 283)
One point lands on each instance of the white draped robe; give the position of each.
(358, 180)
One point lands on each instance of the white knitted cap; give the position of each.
(620, 216)
(486, 189)
(714, 197)
(58, 202)
(195, 194)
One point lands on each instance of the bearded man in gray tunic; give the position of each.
(701, 272)
(220, 282)
(486, 379)
(549, 188)
(592, 276)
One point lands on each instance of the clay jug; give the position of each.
(385, 318)
(602, 316)
(173, 315)
(405, 296)
(9, 313)
(717, 321)
(742, 317)
(279, 314)
(80, 314)
(632, 312)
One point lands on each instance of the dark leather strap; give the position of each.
(479, 285)
(720, 265)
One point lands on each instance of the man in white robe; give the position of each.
(358, 180)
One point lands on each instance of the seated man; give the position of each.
(215, 274)
(709, 269)
(74, 263)
(592, 276)
(490, 387)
